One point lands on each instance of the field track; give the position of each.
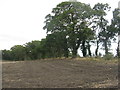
(60, 74)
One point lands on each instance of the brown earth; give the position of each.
(60, 74)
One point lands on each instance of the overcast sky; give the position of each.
(21, 21)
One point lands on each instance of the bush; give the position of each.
(109, 56)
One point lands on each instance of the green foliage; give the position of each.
(56, 44)
(116, 25)
(73, 19)
(108, 56)
(71, 26)
(116, 19)
(102, 29)
(31, 49)
(18, 52)
(6, 55)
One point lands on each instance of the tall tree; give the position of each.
(116, 24)
(100, 23)
(72, 18)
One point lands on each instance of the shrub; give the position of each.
(108, 56)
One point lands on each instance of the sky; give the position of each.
(22, 21)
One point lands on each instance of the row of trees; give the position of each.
(46, 48)
(83, 25)
(71, 26)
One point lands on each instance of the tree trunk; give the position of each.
(74, 52)
(106, 48)
(89, 51)
(96, 51)
(75, 48)
(118, 50)
(66, 53)
(84, 49)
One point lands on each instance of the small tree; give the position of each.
(32, 49)
(57, 44)
(6, 55)
(18, 52)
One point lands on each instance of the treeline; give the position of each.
(72, 26)
(46, 48)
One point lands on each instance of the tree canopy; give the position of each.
(72, 19)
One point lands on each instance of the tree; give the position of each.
(100, 24)
(6, 55)
(106, 36)
(116, 24)
(56, 44)
(18, 52)
(73, 19)
(33, 50)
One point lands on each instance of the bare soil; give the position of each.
(60, 74)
